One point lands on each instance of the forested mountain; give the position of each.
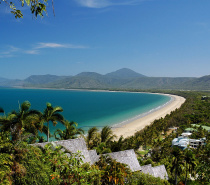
(124, 73)
(120, 79)
(199, 83)
(42, 79)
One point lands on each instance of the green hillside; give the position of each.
(120, 79)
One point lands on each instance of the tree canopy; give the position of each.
(37, 7)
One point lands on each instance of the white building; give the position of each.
(183, 142)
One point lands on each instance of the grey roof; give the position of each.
(93, 156)
(73, 145)
(160, 171)
(157, 171)
(147, 169)
(127, 157)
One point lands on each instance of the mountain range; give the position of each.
(120, 79)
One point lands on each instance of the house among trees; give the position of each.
(90, 156)
(195, 143)
(205, 97)
(183, 142)
(202, 126)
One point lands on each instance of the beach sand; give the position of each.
(134, 126)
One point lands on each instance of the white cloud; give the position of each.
(94, 3)
(50, 45)
(106, 3)
(12, 51)
(6, 56)
(56, 45)
(32, 52)
(9, 52)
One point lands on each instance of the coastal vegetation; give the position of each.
(22, 163)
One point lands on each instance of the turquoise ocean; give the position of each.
(87, 108)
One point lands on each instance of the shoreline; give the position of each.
(131, 127)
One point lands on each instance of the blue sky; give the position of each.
(159, 38)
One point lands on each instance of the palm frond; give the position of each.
(25, 106)
(1, 110)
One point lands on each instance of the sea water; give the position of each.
(87, 108)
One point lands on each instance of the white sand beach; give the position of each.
(134, 126)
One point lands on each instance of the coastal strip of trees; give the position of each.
(21, 163)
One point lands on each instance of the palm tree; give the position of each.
(118, 145)
(1, 110)
(52, 114)
(107, 135)
(190, 162)
(70, 132)
(92, 138)
(177, 161)
(22, 121)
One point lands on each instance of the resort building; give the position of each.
(189, 130)
(183, 142)
(90, 156)
(186, 134)
(195, 143)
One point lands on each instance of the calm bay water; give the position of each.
(87, 108)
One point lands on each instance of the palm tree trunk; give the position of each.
(186, 176)
(48, 131)
(176, 176)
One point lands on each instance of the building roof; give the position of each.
(93, 156)
(157, 171)
(127, 157)
(206, 128)
(203, 126)
(147, 169)
(190, 129)
(186, 134)
(160, 171)
(73, 145)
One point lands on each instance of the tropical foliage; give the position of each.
(70, 132)
(37, 7)
(101, 141)
(52, 114)
(112, 172)
(21, 163)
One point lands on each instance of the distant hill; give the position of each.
(4, 82)
(42, 79)
(3, 79)
(202, 83)
(124, 73)
(156, 83)
(120, 79)
(89, 74)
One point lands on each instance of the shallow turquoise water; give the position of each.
(87, 108)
